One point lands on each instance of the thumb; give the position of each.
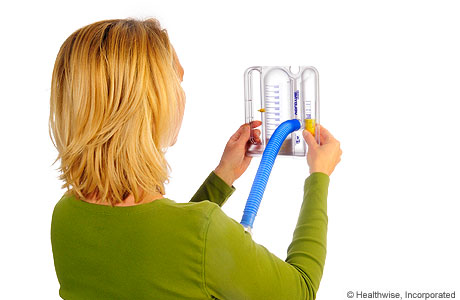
(311, 142)
(242, 134)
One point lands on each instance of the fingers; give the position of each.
(236, 136)
(256, 132)
(244, 132)
(257, 135)
(255, 124)
(325, 136)
(311, 142)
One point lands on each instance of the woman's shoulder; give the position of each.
(70, 204)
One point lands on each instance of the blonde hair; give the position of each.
(116, 105)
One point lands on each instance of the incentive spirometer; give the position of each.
(286, 100)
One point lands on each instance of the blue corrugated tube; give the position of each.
(265, 168)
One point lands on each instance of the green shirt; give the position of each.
(167, 250)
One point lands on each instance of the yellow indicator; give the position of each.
(310, 125)
(261, 110)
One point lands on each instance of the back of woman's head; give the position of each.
(116, 104)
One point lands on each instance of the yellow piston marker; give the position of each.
(310, 126)
(261, 110)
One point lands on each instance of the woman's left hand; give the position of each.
(234, 161)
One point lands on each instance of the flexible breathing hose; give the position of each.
(264, 170)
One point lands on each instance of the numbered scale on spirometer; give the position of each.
(276, 94)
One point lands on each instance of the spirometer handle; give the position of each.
(264, 170)
(248, 98)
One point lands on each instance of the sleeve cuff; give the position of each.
(220, 184)
(319, 176)
(317, 179)
(316, 189)
(214, 189)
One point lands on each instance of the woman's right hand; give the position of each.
(322, 158)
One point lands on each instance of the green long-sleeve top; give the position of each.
(167, 250)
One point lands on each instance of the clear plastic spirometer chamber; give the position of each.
(274, 94)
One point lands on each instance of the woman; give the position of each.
(116, 106)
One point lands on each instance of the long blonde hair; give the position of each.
(116, 104)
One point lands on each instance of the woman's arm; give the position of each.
(234, 162)
(236, 267)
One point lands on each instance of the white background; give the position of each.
(389, 84)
